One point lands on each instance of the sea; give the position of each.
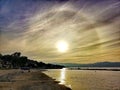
(86, 79)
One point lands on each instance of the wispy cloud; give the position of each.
(33, 27)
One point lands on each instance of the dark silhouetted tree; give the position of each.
(0, 55)
(16, 54)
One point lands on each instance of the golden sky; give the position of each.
(90, 28)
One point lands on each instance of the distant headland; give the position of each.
(97, 64)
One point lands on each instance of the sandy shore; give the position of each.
(34, 80)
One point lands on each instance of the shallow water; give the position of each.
(87, 79)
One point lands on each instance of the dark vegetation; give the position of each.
(16, 61)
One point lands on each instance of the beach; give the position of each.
(23, 80)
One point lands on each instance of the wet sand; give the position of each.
(34, 80)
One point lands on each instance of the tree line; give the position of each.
(16, 61)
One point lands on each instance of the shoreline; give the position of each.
(24, 80)
(100, 69)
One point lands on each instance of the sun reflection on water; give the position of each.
(62, 76)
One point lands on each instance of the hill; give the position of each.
(98, 64)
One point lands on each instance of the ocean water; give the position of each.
(86, 79)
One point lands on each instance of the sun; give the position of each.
(62, 46)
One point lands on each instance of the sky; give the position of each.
(91, 29)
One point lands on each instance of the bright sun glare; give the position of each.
(62, 46)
